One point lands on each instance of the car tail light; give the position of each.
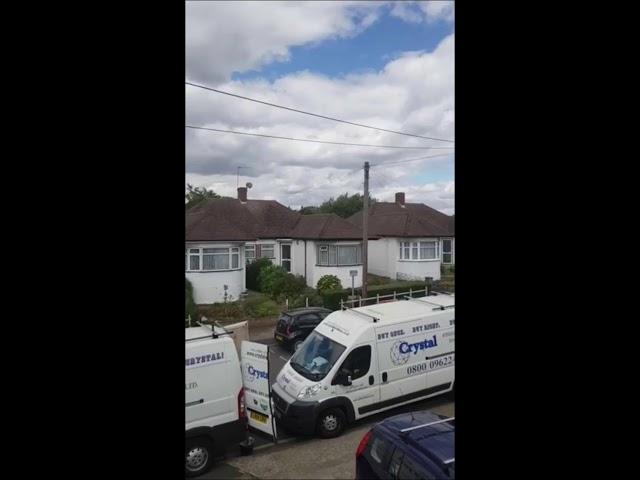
(363, 444)
(242, 412)
(289, 331)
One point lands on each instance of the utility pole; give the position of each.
(365, 233)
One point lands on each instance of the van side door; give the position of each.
(441, 360)
(360, 365)
(402, 350)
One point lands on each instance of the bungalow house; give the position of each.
(414, 239)
(223, 235)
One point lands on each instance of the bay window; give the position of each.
(339, 255)
(213, 258)
(425, 250)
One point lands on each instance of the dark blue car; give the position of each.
(417, 445)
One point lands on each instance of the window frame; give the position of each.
(232, 253)
(250, 247)
(328, 247)
(360, 347)
(411, 248)
(269, 246)
(450, 252)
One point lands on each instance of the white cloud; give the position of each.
(418, 12)
(258, 33)
(438, 10)
(414, 92)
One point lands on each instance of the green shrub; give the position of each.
(261, 307)
(223, 311)
(189, 304)
(253, 270)
(377, 280)
(389, 288)
(279, 284)
(447, 269)
(315, 300)
(331, 298)
(328, 282)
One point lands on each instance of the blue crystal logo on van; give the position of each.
(254, 374)
(402, 350)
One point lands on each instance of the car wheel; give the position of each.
(198, 456)
(331, 423)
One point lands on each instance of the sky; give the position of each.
(385, 64)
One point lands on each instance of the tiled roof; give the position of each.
(325, 227)
(228, 219)
(388, 219)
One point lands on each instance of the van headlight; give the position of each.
(309, 391)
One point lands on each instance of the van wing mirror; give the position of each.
(343, 377)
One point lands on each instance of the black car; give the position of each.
(294, 326)
(406, 446)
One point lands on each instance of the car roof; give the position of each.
(436, 442)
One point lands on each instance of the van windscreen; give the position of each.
(316, 357)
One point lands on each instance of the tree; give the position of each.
(344, 206)
(195, 195)
(308, 210)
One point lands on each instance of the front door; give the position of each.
(285, 256)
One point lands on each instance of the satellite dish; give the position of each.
(249, 184)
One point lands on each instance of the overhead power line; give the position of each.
(317, 115)
(314, 141)
(410, 160)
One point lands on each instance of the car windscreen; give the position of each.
(316, 357)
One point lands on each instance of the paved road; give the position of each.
(314, 458)
(309, 457)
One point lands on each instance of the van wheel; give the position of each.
(198, 456)
(331, 423)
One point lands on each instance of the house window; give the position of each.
(211, 259)
(323, 255)
(215, 258)
(194, 259)
(267, 251)
(428, 250)
(250, 253)
(339, 255)
(419, 250)
(447, 251)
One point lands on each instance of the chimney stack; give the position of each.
(400, 198)
(242, 194)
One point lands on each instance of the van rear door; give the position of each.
(212, 383)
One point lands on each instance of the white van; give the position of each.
(215, 416)
(365, 360)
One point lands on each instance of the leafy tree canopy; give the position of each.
(195, 195)
(344, 206)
